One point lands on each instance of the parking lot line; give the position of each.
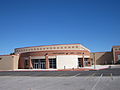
(91, 76)
(76, 75)
(93, 88)
(64, 74)
(111, 76)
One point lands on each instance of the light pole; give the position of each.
(94, 60)
(83, 59)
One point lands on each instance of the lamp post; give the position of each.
(83, 60)
(94, 60)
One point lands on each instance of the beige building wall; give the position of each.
(8, 62)
(15, 62)
(67, 61)
(102, 58)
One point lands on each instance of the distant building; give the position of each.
(102, 58)
(116, 54)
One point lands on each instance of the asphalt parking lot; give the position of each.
(106, 72)
(108, 79)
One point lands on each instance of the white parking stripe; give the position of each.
(93, 88)
(91, 76)
(111, 76)
(61, 75)
(76, 74)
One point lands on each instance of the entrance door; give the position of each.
(42, 64)
(80, 62)
(86, 61)
(39, 63)
(36, 65)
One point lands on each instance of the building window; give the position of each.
(37, 48)
(52, 63)
(33, 54)
(57, 47)
(61, 47)
(26, 62)
(0, 58)
(76, 46)
(78, 52)
(72, 46)
(66, 53)
(72, 53)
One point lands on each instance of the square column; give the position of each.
(30, 63)
(47, 61)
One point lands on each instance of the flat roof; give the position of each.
(49, 45)
(115, 46)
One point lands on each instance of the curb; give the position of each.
(81, 69)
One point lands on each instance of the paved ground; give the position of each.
(108, 79)
(106, 72)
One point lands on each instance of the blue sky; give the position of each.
(93, 23)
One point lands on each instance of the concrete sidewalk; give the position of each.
(96, 67)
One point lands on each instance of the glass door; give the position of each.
(36, 65)
(79, 62)
(39, 63)
(42, 64)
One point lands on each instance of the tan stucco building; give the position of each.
(9, 62)
(63, 56)
(102, 58)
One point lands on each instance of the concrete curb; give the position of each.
(48, 70)
(30, 70)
